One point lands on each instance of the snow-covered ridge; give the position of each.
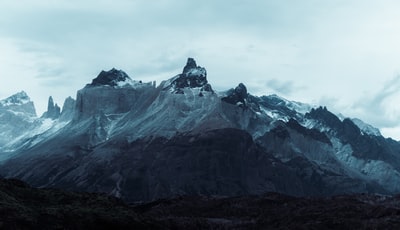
(299, 107)
(133, 83)
(366, 128)
(16, 99)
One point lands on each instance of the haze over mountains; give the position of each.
(141, 142)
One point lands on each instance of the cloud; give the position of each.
(381, 107)
(283, 87)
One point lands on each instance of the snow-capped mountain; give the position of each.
(20, 125)
(137, 141)
(17, 116)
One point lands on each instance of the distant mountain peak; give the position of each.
(237, 96)
(192, 76)
(53, 110)
(19, 98)
(190, 64)
(192, 70)
(112, 77)
(19, 103)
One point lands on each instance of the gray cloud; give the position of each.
(381, 107)
(283, 87)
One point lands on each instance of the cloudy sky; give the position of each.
(344, 54)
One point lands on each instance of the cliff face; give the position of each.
(111, 92)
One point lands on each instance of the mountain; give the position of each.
(17, 114)
(20, 125)
(143, 142)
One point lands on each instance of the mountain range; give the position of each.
(139, 141)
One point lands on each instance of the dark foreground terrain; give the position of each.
(24, 207)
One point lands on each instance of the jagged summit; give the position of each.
(16, 99)
(112, 77)
(191, 65)
(323, 115)
(20, 103)
(192, 76)
(236, 96)
(53, 110)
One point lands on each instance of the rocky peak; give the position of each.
(323, 115)
(19, 102)
(241, 91)
(191, 70)
(237, 96)
(16, 99)
(190, 64)
(112, 77)
(53, 110)
(192, 76)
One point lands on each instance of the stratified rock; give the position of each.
(111, 92)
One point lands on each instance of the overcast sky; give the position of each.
(344, 54)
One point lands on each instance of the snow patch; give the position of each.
(196, 72)
(16, 99)
(366, 128)
(131, 83)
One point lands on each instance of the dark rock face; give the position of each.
(53, 110)
(237, 96)
(111, 78)
(190, 64)
(313, 133)
(192, 76)
(109, 100)
(324, 116)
